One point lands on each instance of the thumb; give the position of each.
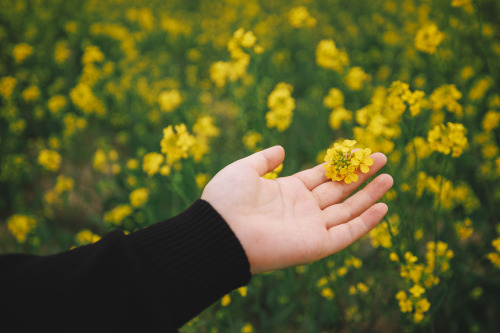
(265, 160)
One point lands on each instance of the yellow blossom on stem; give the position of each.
(448, 139)
(20, 226)
(342, 163)
(151, 163)
(138, 197)
(428, 38)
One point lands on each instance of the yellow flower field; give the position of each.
(116, 113)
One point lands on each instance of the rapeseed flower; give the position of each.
(342, 163)
(22, 51)
(151, 163)
(139, 197)
(176, 143)
(448, 139)
(330, 57)
(20, 226)
(281, 105)
(334, 99)
(428, 38)
(299, 17)
(49, 159)
(7, 85)
(85, 236)
(118, 214)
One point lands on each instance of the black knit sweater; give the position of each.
(154, 279)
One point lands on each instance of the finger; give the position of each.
(312, 177)
(265, 160)
(345, 234)
(332, 192)
(359, 202)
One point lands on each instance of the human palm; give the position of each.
(297, 219)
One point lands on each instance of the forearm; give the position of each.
(157, 277)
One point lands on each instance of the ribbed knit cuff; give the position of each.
(192, 260)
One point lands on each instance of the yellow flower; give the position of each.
(7, 85)
(334, 99)
(281, 104)
(86, 236)
(118, 214)
(56, 103)
(299, 17)
(151, 163)
(355, 78)
(490, 120)
(446, 96)
(205, 127)
(330, 57)
(226, 300)
(92, 54)
(20, 226)
(176, 144)
(247, 328)
(417, 290)
(49, 159)
(202, 180)
(459, 3)
(274, 174)
(339, 115)
(428, 38)
(138, 197)
(327, 293)
(251, 139)
(31, 93)
(446, 139)
(243, 291)
(169, 100)
(342, 164)
(22, 51)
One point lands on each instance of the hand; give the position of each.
(297, 219)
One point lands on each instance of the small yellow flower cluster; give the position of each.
(61, 52)
(7, 85)
(330, 57)
(118, 214)
(494, 257)
(56, 103)
(22, 51)
(251, 139)
(446, 96)
(248, 328)
(491, 120)
(85, 236)
(464, 229)
(169, 100)
(274, 174)
(49, 159)
(446, 194)
(31, 93)
(151, 164)
(63, 184)
(281, 105)
(232, 70)
(380, 235)
(139, 197)
(479, 89)
(20, 226)
(360, 287)
(83, 97)
(335, 101)
(459, 3)
(226, 299)
(356, 77)
(299, 17)
(176, 144)
(448, 139)
(106, 162)
(342, 163)
(428, 38)
(202, 180)
(417, 276)
(73, 124)
(399, 95)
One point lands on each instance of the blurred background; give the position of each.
(114, 114)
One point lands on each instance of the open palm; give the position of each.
(297, 219)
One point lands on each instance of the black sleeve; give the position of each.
(154, 279)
